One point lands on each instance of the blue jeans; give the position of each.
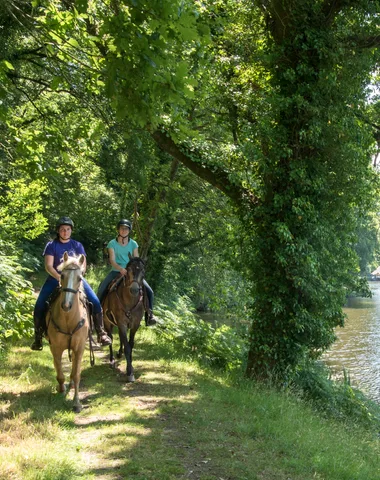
(113, 274)
(48, 288)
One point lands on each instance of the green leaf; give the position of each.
(8, 65)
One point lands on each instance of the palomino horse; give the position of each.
(123, 307)
(68, 324)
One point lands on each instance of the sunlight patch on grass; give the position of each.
(28, 380)
(28, 456)
(22, 426)
(176, 421)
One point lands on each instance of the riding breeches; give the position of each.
(48, 288)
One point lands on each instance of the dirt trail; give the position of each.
(152, 399)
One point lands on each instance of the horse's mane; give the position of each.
(135, 260)
(72, 260)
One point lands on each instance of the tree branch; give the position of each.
(213, 175)
(371, 41)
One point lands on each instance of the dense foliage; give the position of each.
(105, 102)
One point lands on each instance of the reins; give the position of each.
(79, 325)
(70, 334)
(127, 312)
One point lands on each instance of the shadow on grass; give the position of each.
(154, 432)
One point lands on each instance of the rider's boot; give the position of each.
(103, 338)
(150, 319)
(38, 334)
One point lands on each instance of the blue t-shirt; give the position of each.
(57, 249)
(121, 251)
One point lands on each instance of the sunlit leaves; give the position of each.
(20, 210)
(134, 54)
(16, 297)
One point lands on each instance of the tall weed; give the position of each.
(335, 399)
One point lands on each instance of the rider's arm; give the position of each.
(136, 252)
(111, 254)
(49, 260)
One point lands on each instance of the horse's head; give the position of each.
(71, 277)
(135, 274)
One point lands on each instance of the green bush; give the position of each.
(221, 347)
(16, 298)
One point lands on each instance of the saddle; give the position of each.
(54, 295)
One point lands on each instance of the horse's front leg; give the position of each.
(75, 378)
(112, 356)
(121, 348)
(123, 332)
(57, 358)
(128, 356)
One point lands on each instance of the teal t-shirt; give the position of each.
(121, 251)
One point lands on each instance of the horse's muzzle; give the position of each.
(134, 289)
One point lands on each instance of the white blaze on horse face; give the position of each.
(70, 280)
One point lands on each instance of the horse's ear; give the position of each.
(65, 256)
(81, 259)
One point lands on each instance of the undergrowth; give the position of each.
(333, 398)
(226, 348)
(221, 347)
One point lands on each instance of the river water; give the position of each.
(357, 349)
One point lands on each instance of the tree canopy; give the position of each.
(269, 102)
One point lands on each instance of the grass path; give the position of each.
(177, 421)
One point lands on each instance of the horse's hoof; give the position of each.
(119, 355)
(112, 364)
(130, 378)
(77, 408)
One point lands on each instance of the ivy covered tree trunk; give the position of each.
(313, 169)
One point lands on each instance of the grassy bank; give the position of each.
(176, 421)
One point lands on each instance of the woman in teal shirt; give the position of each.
(118, 250)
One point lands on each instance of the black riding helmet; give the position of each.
(124, 222)
(65, 221)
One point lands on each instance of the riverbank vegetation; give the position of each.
(179, 420)
(242, 140)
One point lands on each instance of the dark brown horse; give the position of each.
(68, 324)
(123, 307)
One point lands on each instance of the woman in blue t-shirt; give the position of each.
(118, 250)
(53, 254)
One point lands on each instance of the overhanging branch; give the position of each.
(212, 175)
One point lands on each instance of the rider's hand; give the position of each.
(123, 271)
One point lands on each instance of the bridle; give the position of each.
(70, 290)
(67, 289)
(128, 313)
(81, 321)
